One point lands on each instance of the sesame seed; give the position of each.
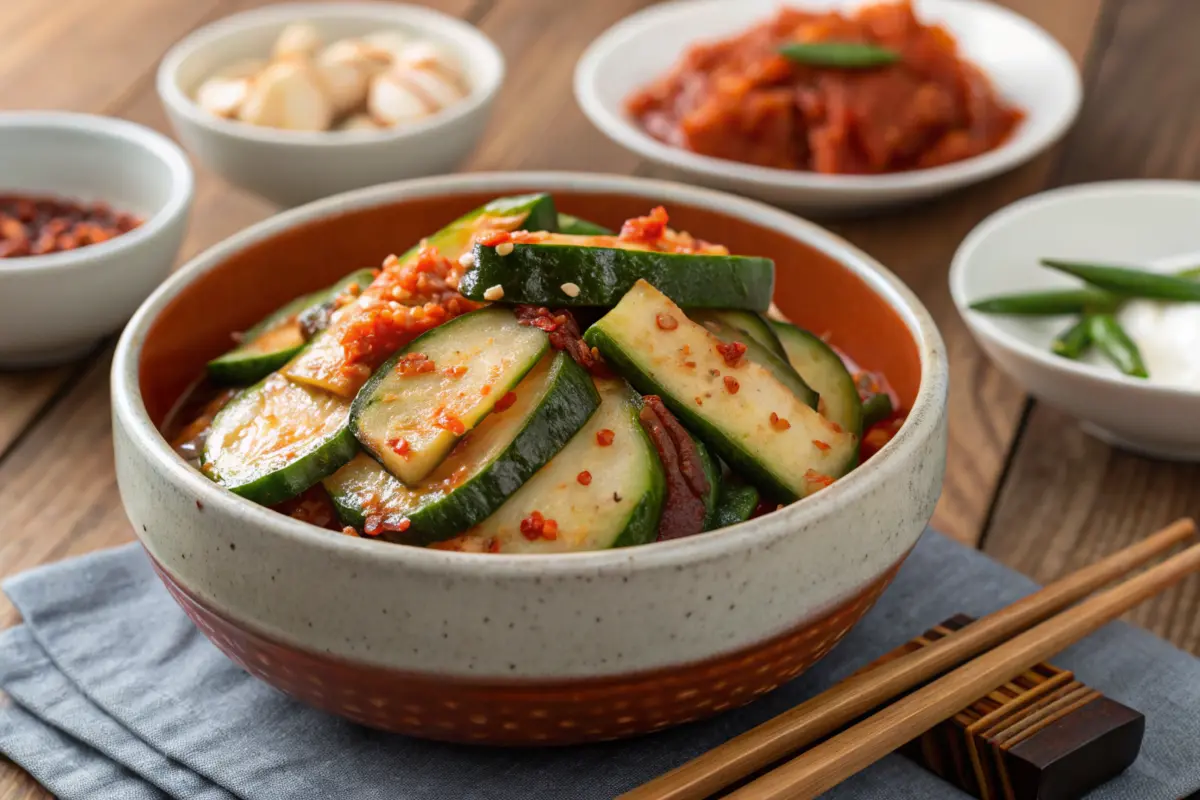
(494, 293)
(467, 259)
(504, 248)
(570, 290)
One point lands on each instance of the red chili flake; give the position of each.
(492, 546)
(414, 364)
(836, 428)
(536, 526)
(666, 322)
(716, 373)
(732, 352)
(486, 390)
(822, 446)
(373, 525)
(447, 421)
(505, 403)
(699, 402)
(400, 447)
(455, 372)
(349, 531)
(399, 527)
(779, 423)
(584, 478)
(686, 350)
(731, 384)
(31, 226)
(812, 476)
(649, 228)
(493, 238)
(690, 364)
(604, 437)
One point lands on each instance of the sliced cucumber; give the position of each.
(553, 401)
(759, 354)
(616, 504)
(735, 503)
(823, 369)
(418, 405)
(762, 430)
(756, 326)
(712, 473)
(876, 409)
(323, 363)
(575, 226)
(273, 341)
(276, 439)
(560, 270)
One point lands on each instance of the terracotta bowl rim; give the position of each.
(890, 463)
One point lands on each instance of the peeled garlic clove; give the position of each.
(223, 97)
(245, 68)
(391, 43)
(392, 101)
(441, 90)
(288, 95)
(344, 84)
(368, 59)
(298, 40)
(359, 122)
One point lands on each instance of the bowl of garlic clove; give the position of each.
(302, 100)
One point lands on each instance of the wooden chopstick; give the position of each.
(832, 761)
(850, 699)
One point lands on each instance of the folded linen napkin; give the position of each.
(114, 694)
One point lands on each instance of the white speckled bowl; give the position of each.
(525, 649)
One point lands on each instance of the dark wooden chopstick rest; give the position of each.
(1042, 735)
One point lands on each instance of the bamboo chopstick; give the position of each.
(825, 713)
(836, 759)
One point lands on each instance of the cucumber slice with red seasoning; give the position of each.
(752, 325)
(718, 325)
(574, 226)
(604, 489)
(561, 270)
(521, 434)
(735, 503)
(324, 363)
(738, 407)
(418, 405)
(273, 341)
(276, 439)
(823, 369)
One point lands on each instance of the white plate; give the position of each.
(1027, 66)
(1143, 223)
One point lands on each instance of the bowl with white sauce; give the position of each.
(1148, 225)
(298, 101)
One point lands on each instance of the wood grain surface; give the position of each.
(1022, 481)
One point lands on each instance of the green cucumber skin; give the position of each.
(781, 368)
(756, 326)
(876, 409)
(801, 338)
(574, 226)
(712, 473)
(235, 368)
(542, 214)
(289, 481)
(366, 395)
(641, 526)
(738, 459)
(569, 402)
(535, 274)
(735, 504)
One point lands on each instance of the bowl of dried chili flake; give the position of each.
(595, 615)
(92, 214)
(830, 106)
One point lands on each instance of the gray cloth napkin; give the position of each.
(114, 694)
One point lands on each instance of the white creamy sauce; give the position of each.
(1168, 335)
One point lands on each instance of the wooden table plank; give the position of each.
(1069, 497)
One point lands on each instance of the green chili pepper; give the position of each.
(1114, 342)
(844, 55)
(876, 408)
(1074, 341)
(1058, 301)
(1130, 282)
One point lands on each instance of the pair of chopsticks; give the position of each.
(1015, 639)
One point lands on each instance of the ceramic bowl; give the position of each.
(1026, 65)
(1144, 223)
(525, 649)
(294, 167)
(54, 307)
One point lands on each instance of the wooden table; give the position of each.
(1023, 483)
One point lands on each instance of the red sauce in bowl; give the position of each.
(740, 99)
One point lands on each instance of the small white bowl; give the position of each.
(1026, 65)
(1144, 223)
(294, 167)
(54, 307)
